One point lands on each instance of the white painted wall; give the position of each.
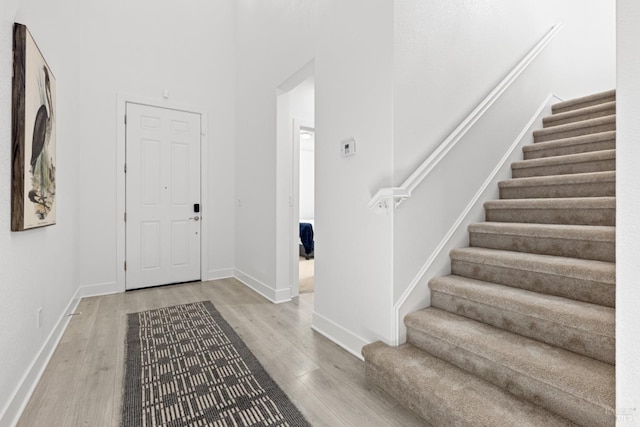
(274, 41)
(37, 267)
(627, 223)
(354, 98)
(142, 48)
(447, 59)
(352, 43)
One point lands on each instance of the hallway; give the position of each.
(82, 383)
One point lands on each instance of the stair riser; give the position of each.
(587, 130)
(551, 121)
(562, 403)
(551, 284)
(565, 169)
(569, 216)
(403, 393)
(569, 149)
(591, 189)
(581, 249)
(565, 107)
(545, 330)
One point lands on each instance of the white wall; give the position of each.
(274, 41)
(354, 98)
(37, 267)
(141, 48)
(352, 43)
(627, 223)
(447, 59)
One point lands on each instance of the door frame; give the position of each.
(122, 100)
(294, 257)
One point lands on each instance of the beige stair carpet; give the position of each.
(523, 330)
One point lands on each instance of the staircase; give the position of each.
(522, 333)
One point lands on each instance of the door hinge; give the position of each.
(125, 266)
(125, 119)
(125, 216)
(125, 168)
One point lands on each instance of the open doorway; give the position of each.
(295, 162)
(306, 205)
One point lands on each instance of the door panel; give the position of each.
(162, 185)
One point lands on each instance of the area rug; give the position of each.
(185, 366)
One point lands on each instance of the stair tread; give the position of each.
(582, 280)
(445, 394)
(554, 203)
(598, 121)
(547, 210)
(574, 140)
(604, 107)
(550, 180)
(565, 159)
(595, 233)
(530, 368)
(578, 315)
(556, 265)
(584, 99)
(572, 145)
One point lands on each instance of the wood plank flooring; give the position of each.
(82, 385)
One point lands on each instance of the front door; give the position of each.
(162, 196)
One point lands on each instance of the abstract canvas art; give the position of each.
(33, 199)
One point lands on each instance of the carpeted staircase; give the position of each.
(522, 333)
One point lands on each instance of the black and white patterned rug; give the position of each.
(185, 366)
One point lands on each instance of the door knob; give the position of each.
(195, 218)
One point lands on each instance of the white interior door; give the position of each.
(162, 191)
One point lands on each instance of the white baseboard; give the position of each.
(224, 273)
(99, 289)
(339, 335)
(276, 296)
(16, 404)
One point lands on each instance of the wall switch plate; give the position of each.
(348, 147)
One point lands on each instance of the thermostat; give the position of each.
(348, 147)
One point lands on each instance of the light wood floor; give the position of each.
(306, 276)
(82, 384)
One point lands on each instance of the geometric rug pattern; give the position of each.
(186, 366)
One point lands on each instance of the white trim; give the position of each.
(380, 199)
(294, 209)
(18, 401)
(98, 289)
(223, 273)
(442, 250)
(306, 71)
(339, 335)
(276, 296)
(122, 100)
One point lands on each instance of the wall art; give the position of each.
(33, 198)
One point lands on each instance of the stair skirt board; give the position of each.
(523, 330)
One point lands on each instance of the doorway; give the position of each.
(295, 114)
(305, 170)
(163, 196)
